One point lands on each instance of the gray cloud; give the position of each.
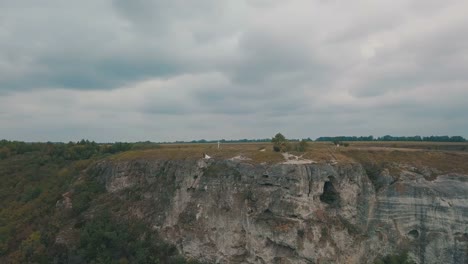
(172, 70)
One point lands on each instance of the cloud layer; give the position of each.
(178, 70)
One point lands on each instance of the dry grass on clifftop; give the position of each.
(415, 154)
(250, 152)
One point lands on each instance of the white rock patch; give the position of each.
(293, 159)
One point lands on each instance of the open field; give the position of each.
(444, 146)
(445, 157)
(255, 152)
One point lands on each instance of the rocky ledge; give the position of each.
(232, 211)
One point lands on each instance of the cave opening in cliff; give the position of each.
(413, 233)
(330, 195)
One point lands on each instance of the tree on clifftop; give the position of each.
(280, 143)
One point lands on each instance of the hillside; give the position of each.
(44, 188)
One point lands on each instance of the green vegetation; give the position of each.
(35, 178)
(340, 143)
(301, 146)
(338, 138)
(280, 143)
(84, 192)
(105, 240)
(345, 138)
(80, 150)
(32, 183)
(401, 258)
(395, 138)
(225, 141)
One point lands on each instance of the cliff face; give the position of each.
(229, 211)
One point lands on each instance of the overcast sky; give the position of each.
(178, 70)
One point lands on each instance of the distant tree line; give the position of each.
(337, 139)
(395, 138)
(223, 141)
(85, 149)
(345, 138)
(80, 150)
(258, 140)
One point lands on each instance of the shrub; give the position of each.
(280, 143)
(401, 258)
(31, 194)
(301, 146)
(84, 194)
(340, 143)
(104, 239)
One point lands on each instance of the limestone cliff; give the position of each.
(231, 211)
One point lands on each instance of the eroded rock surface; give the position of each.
(230, 211)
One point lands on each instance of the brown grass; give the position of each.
(445, 161)
(443, 146)
(416, 154)
(195, 151)
(319, 152)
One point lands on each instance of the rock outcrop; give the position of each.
(231, 211)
